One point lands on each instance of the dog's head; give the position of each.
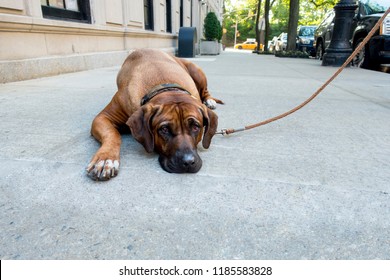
(173, 130)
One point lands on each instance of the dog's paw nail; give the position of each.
(89, 167)
(116, 168)
(107, 170)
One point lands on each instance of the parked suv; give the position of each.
(377, 51)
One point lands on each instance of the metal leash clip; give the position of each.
(227, 131)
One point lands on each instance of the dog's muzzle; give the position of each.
(181, 162)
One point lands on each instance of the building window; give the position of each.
(181, 14)
(148, 14)
(73, 10)
(168, 16)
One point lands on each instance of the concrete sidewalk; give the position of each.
(315, 185)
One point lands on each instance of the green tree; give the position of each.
(244, 15)
(279, 20)
(311, 12)
(292, 25)
(267, 7)
(258, 11)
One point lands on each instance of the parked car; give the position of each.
(281, 42)
(271, 44)
(247, 45)
(323, 34)
(377, 51)
(305, 39)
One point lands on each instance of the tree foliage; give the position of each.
(244, 15)
(311, 12)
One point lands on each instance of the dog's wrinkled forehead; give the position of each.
(176, 113)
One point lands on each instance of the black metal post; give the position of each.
(340, 48)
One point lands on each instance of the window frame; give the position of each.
(181, 13)
(168, 8)
(149, 14)
(83, 16)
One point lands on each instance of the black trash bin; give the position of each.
(187, 40)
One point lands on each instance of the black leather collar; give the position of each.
(162, 88)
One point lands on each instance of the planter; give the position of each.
(209, 47)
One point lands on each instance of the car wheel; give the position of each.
(239, 47)
(363, 59)
(358, 60)
(320, 50)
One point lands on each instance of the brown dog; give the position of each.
(165, 102)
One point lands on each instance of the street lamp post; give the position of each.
(340, 48)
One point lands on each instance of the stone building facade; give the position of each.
(48, 37)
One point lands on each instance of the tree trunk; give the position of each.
(293, 25)
(257, 26)
(266, 17)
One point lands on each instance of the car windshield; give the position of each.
(306, 31)
(376, 6)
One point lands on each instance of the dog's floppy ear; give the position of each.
(140, 126)
(210, 121)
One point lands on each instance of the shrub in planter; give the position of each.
(212, 27)
(212, 33)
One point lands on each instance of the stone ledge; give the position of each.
(25, 69)
(17, 23)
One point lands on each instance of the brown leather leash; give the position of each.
(228, 131)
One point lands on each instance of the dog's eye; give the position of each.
(195, 127)
(164, 129)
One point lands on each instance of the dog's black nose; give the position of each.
(182, 162)
(188, 160)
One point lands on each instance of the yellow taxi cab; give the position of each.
(247, 45)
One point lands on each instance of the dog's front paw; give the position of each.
(102, 169)
(211, 102)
